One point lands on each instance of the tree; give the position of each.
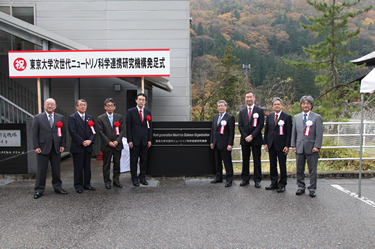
(200, 29)
(327, 55)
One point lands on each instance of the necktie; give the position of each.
(83, 118)
(50, 120)
(304, 119)
(249, 113)
(140, 115)
(111, 120)
(276, 119)
(219, 119)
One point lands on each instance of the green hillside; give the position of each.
(263, 32)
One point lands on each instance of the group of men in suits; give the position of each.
(49, 141)
(304, 135)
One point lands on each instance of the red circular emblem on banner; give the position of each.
(19, 64)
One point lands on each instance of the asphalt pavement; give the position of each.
(186, 213)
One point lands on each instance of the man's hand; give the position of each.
(149, 144)
(111, 144)
(38, 150)
(229, 148)
(62, 149)
(212, 146)
(86, 143)
(315, 149)
(294, 149)
(249, 138)
(266, 148)
(286, 150)
(130, 145)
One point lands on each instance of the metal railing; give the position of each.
(12, 113)
(20, 95)
(339, 135)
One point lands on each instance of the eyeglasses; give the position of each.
(110, 105)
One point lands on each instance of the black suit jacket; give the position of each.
(246, 128)
(271, 132)
(108, 133)
(80, 131)
(136, 131)
(44, 136)
(222, 140)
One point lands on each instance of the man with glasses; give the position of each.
(82, 130)
(49, 140)
(111, 131)
(139, 135)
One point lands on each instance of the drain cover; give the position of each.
(170, 182)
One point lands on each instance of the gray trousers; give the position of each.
(312, 162)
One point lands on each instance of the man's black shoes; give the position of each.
(270, 187)
(216, 181)
(37, 195)
(280, 189)
(257, 184)
(300, 192)
(244, 183)
(60, 191)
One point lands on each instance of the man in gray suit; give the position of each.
(49, 140)
(111, 130)
(307, 138)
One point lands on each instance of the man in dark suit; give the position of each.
(250, 124)
(307, 139)
(139, 135)
(222, 136)
(111, 131)
(276, 142)
(82, 130)
(49, 140)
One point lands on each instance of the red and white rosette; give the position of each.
(59, 125)
(223, 123)
(148, 118)
(91, 124)
(309, 123)
(117, 129)
(281, 127)
(255, 119)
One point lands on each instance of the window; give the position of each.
(11, 42)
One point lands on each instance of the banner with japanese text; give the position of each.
(89, 63)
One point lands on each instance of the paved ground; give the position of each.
(187, 214)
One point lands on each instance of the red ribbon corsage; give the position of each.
(59, 125)
(91, 124)
(148, 118)
(117, 125)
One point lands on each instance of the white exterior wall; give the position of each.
(123, 24)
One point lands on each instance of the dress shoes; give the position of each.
(143, 182)
(270, 187)
(228, 184)
(60, 191)
(244, 183)
(79, 190)
(257, 184)
(135, 183)
(117, 184)
(108, 186)
(37, 195)
(280, 189)
(312, 193)
(300, 192)
(90, 188)
(216, 181)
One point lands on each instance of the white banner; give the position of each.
(89, 63)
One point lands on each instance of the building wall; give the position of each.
(122, 24)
